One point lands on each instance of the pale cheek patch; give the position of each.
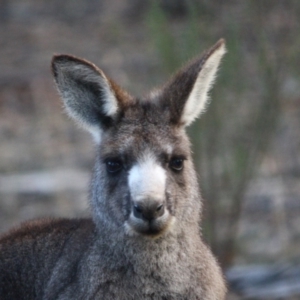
(147, 179)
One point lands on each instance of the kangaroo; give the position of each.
(144, 238)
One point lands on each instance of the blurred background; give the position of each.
(246, 146)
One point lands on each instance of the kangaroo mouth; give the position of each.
(152, 228)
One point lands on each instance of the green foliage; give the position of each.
(163, 40)
(174, 45)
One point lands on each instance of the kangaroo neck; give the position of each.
(118, 244)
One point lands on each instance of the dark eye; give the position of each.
(176, 163)
(113, 165)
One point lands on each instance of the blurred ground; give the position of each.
(45, 160)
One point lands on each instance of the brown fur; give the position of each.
(131, 248)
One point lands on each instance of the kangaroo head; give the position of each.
(144, 181)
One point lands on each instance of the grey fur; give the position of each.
(100, 258)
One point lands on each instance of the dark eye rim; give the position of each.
(113, 165)
(176, 163)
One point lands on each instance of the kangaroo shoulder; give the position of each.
(44, 229)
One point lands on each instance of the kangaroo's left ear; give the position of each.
(186, 94)
(89, 96)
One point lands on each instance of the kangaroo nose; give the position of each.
(148, 211)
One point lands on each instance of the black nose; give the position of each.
(148, 211)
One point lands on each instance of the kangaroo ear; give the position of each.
(187, 92)
(89, 96)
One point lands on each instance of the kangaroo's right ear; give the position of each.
(89, 96)
(186, 94)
